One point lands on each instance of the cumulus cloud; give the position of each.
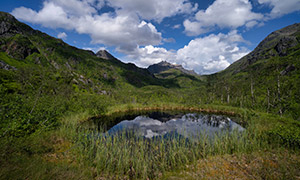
(125, 27)
(224, 14)
(62, 35)
(154, 9)
(51, 16)
(149, 55)
(280, 7)
(212, 53)
(124, 30)
(205, 55)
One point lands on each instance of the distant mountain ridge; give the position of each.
(164, 66)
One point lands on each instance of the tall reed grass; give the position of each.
(128, 156)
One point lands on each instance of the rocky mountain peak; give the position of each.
(10, 25)
(164, 66)
(105, 55)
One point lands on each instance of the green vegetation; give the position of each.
(47, 88)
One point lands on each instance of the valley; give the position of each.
(48, 89)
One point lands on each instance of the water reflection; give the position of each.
(187, 125)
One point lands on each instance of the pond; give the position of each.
(163, 124)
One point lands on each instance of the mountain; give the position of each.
(280, 43)
(21, 46)
(105, 55)
(36, 68)
(165, 66)
(42, 78)
(267, 78)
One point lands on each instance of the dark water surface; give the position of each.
(161, 124)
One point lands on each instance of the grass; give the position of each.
(136, 158)
(38, 156)
(71, 152)
(52, 91)
(273, 164)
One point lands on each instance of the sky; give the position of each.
(201, 35)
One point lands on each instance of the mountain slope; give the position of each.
(43, 78)
(268, 78)
(280, 43)
(183, 77)
(22, 46)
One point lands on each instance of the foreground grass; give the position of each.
(38, 156)
(137, 158)
(278, 163)
(74, 153)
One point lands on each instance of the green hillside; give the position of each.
(268, 77)
(38, 69)
(48, 89)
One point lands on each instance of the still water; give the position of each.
(161, 124)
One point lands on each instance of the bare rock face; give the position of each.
(284, 44)
(19, 47)
(105, 55)
(7, 24)
(10, 25)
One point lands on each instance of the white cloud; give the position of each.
(212, 53)
(75, 7)
(176, 26)
(224, 14)
(154, 9)
(123, 30)
(95, 49)
(281, 7)
(205, 55)
(62, 35)
(169, 40)
(51, 16)
(149, 55)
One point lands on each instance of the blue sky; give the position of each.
(206, 36)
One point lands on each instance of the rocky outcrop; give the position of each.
(284, 44)
(20, 48)
(10, 26)
(5, 66)
(287, 70)
(105, 55)
(14, 40)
